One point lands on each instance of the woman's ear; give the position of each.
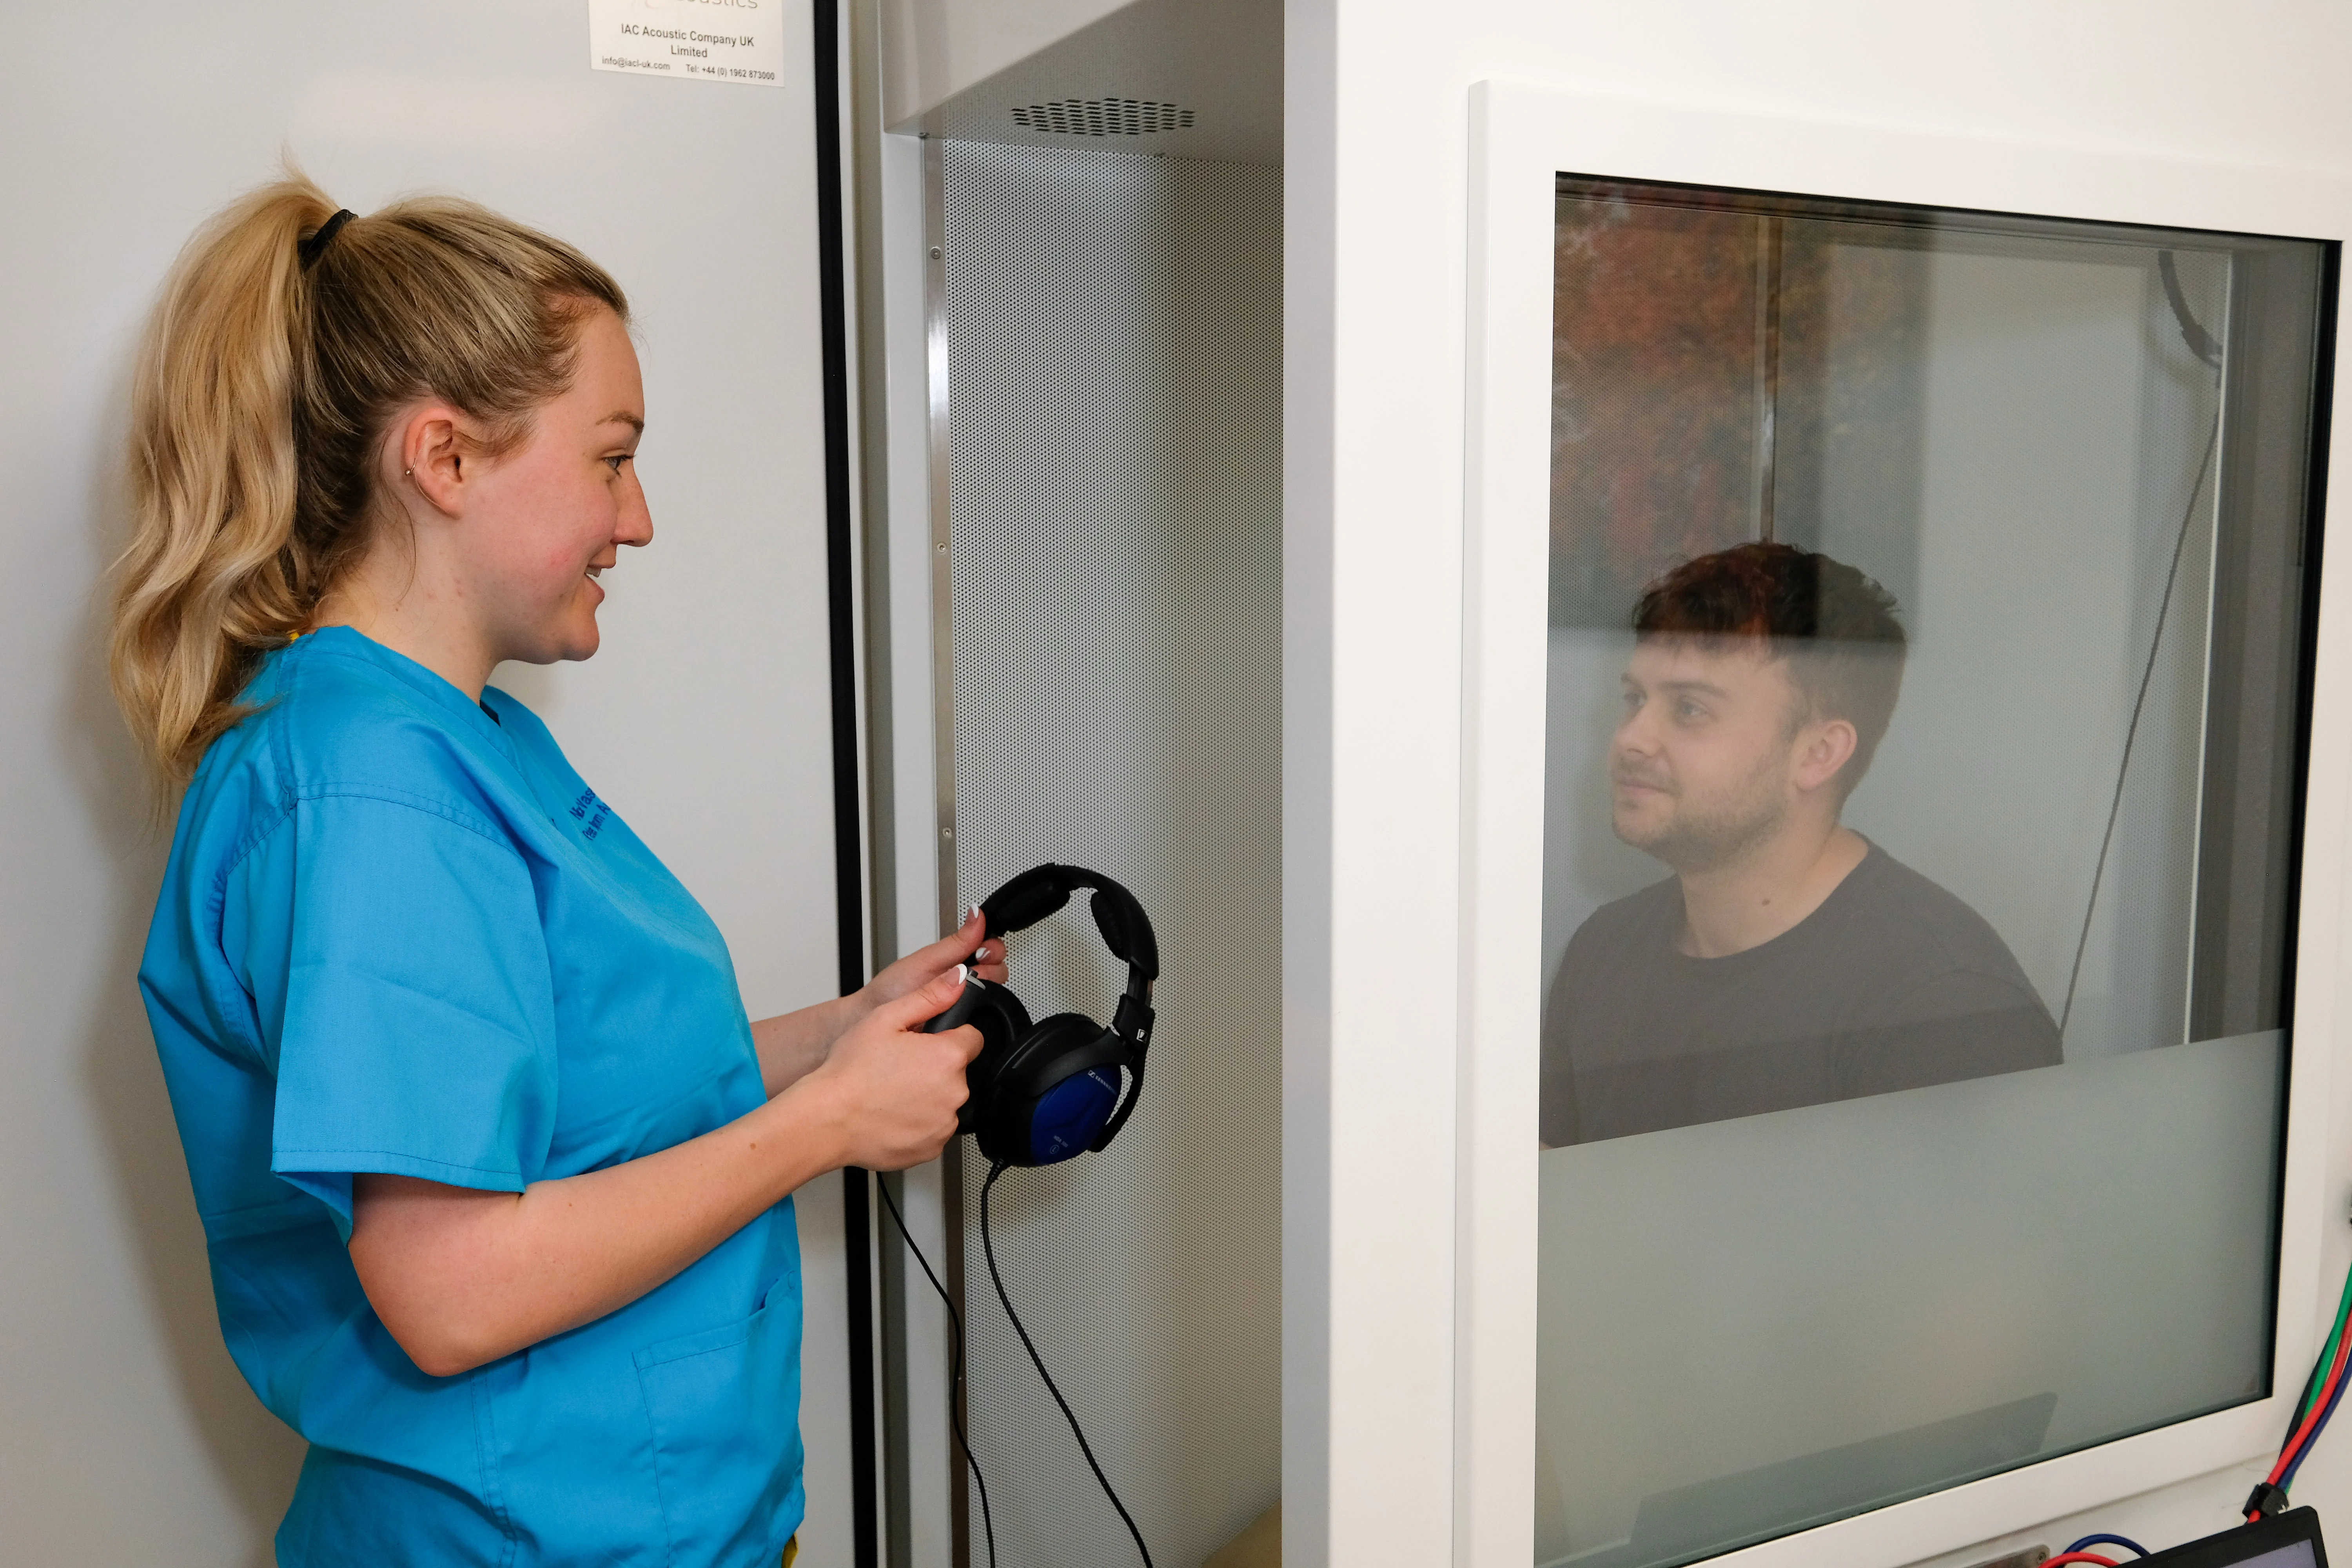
(436, 458)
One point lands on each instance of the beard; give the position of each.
(1707, 835)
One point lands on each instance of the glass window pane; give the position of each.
(1928, 661)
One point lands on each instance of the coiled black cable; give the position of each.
(997, 1279)
(955, 1362)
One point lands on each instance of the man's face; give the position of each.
(1705, 764)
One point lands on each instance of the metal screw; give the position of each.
(935, 253)
(946, 833)
(940, 548)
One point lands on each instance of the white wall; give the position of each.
(1377, 160)
(125, 1433)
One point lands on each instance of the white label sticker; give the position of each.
(708, 40)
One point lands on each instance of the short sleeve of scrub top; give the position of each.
(400, 934)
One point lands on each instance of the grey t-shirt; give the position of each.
(1892, 984)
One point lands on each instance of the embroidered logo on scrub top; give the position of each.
(592, 811)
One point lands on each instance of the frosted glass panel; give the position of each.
(1924, 748)
(1739, 1301)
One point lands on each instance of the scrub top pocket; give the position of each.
(725, 1408)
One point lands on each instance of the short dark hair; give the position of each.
(1835, 626)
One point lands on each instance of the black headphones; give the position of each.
(1042, 1092)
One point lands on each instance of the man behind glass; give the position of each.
(1788, 961)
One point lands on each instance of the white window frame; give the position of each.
(1521, 138)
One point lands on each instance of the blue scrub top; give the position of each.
(398, 933)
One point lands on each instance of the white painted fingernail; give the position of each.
(960, 974)
(972, 912)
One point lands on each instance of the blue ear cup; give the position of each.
(1055, 1093)
(1037, 1094)
(1071, 1115)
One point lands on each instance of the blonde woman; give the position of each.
(494, 1169)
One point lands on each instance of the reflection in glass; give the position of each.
(1789, 960)
(1927, 629)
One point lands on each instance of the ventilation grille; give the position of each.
(1103, 117)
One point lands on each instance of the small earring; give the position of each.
(408, 473)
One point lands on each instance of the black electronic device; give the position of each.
(2290, 1539)
(1043, 1091)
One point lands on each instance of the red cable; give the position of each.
(2078, 1557)
(2311, 1418)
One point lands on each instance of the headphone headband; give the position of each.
(1042, 890)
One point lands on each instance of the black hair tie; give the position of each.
(307, 250)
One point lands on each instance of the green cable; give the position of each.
(2327, 1355)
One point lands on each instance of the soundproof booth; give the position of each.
(1857, 1219)
(1736, 731)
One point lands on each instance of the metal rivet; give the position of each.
(935, 253)
(946, 833)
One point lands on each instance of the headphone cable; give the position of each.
(989, 1248)
(2201, 343)
(955, 1365)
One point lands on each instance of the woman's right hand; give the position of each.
(895, 1089)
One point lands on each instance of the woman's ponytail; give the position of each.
(265, 381)
(210, 578)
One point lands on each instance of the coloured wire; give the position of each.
(2310, 1384)
(955, 1371)
(2126, 1542)
(989, 1248)
(2305, 1429)
(2291, 1457)
(2326, 1412)
(2078, 1557)
(2343, 1315)
(2297, 1445)
(2331, 1356)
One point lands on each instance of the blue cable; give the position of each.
(2126, 1543)
(2287, 1480)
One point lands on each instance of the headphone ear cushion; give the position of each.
(1036, 1115)
(1126, 929)
(1003, 1024)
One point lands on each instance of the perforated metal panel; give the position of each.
(1114, 390)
